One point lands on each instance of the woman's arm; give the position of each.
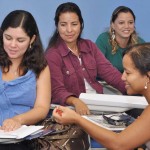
(41, 106)
(107, 72)
(60, 94)
(134, 135)
(59, 91)
(80, 107)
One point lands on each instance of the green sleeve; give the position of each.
(102, 42)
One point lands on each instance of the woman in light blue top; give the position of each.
(24, 74)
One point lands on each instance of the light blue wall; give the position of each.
(96, 14)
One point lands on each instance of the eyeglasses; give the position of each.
(120, 119)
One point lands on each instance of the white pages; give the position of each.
(113, 103)
(20, 133)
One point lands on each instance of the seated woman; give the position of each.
(121, 34)
(112, 43)
(136, 76)
(75, 62)
(24, 74)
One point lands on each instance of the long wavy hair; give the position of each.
(34, 56)
(63, 8)
(133, 38)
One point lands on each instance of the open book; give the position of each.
(20, 134)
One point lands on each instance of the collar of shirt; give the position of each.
(83, 47)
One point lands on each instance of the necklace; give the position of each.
(74, 52)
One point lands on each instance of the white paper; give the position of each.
(98, 120)
(116, 103)
(20, 133)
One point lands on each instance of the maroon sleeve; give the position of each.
(59, 92)
(106, 71)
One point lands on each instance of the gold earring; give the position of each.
(113, 35)
(145, 87)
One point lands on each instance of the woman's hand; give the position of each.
(10, 124)
(80, 107)
(64, 115)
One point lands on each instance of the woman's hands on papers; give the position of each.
(10, 124)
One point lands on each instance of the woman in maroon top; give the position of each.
(75, 62)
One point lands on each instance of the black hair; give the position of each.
(34, 56)
(63, 8)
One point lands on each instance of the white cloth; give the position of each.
(88, 88)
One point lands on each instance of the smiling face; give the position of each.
(15, 42)
(69, 27)
(123, 25)
(134, 81)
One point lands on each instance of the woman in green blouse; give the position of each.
(120, 35)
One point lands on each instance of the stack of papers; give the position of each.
(22, 133)
(113, 103)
